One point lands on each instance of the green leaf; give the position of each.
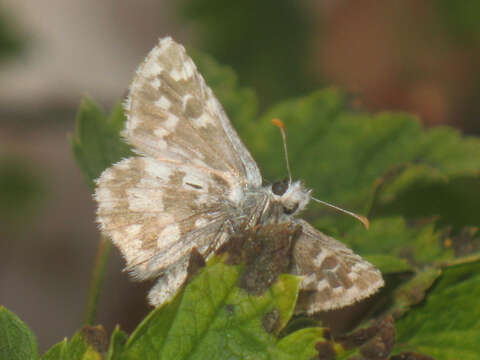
(413, 291)
(445, 325)
(392, 236)
(294, 343)
(90, 343)
(388, 264)
(442, 180)
(423, 192)
(342, 154)
(57, 351)
(17, 342)
(96, 142)
(117, 343)
(213, 318)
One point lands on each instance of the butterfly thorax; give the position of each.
(274, 204)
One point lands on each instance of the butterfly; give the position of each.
(193, 184)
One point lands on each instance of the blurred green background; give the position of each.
(419, 57)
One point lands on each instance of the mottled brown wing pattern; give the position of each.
(173, 114)
(334, 276)
(157, 211)
(191, 169)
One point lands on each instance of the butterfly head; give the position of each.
(293, 196)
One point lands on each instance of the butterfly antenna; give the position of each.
(360, 218)
(280, 124)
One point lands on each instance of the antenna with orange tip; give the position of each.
(280, 124)
(360, 218)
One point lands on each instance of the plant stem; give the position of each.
(101, 260)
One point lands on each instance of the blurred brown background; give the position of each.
(420, 57)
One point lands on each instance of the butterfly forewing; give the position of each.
(173, 114)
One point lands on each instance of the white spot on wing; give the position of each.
(133, 230)
(168, 285)
(318, 261)
(189, 67)
(236, 194)
(199, 162)
(353, 276)
(157, 169)
(156, 83)
(212, 105)
(151, 68)
(105, 198)
(360, 266)
(185, 100)
(123, 165)
(132, 248)
(322, 285)
(142, 200)
(163, 103)
(180, 151)
(169, 235)
(161, 132)
(164, 219)
(132, 123)
(184, 73)
(106, 176)
(338, 290)
(203, 120)
(309, 280)
(163, 44)
(171, 122)
(201, 222)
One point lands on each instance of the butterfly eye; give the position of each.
(279, 187)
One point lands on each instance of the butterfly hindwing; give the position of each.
(334, 276)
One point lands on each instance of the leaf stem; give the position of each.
(101, 260)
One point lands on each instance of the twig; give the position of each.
(101, 260)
